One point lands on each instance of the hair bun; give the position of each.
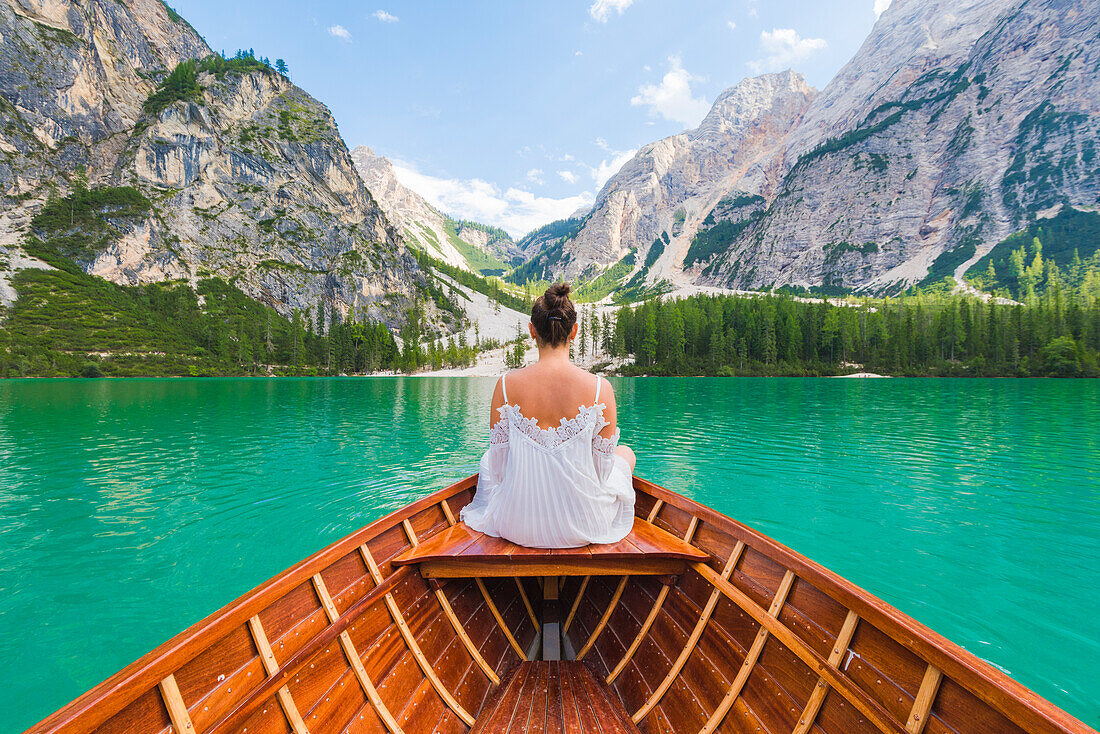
(553, 315)
(559, 291)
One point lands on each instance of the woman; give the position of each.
(554, 475)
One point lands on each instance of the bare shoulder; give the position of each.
(607, 392)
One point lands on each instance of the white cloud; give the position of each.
(608, 167)
(340, 32)
(672, 97)
(880, 7)
(578, 53)
(385, 17)
(567, 157)
(752, 9)
(568, 176)
(601, 9)
(733, 26)
(784, 48)
(514, 210)
(534, 176)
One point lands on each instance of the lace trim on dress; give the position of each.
(554, 436)
(605, 446)
(498, 434)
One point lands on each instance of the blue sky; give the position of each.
(515, 113)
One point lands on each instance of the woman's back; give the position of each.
(551, 392)
(553, 476)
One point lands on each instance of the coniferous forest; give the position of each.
(1057, 335)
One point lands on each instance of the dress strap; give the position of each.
(598, 381)
(504, 388)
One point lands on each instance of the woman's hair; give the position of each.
(553, 315)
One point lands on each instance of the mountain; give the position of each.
(468, 245)
(73, 80)
(548, 234)
(186, 166)
(955, 125)
(666, 190)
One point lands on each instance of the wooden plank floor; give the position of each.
(551, 697)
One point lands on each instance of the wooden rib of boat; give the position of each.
(695, 623)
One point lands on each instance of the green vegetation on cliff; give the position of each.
(481, 261)
(489, 287)
(78, 226)
(1063, 251)
(183, 81)
(68, 323)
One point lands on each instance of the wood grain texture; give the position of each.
(604, 618)
(930, 685)
(177, 709)
(414, 646)
(553, 696)
(693, 639)
(840, 648)
(750, 660)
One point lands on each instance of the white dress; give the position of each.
(558, 487)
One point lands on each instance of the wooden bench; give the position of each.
(459, 552)
(553, 697)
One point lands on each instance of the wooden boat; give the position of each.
(694, 623)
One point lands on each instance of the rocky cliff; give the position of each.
(419, 222)
(670, 186)
(73, 79)
(953, 125)
(245, 175)
(424, 226)
(956, 123)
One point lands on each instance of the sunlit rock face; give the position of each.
(671, 185)
(260, 187)
(953, 124)
(249, 181)
(956, 122)
(418, 221)
(73, 78)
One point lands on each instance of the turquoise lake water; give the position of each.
(130, 509)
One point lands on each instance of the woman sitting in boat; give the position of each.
(565, 485)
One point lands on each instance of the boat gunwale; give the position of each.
(1017, 702)
(100, 703)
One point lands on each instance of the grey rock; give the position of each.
(421, 224)
(671, 185)
(252, 183)
(954, 123)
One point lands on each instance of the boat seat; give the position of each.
(553, 697)
(459, 552)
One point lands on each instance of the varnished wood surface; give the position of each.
(553, 697)
(353, 639)
(459, 552)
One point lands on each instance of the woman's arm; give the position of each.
(607, 397)
(495, 405)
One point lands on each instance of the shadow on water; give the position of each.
(131, 508)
